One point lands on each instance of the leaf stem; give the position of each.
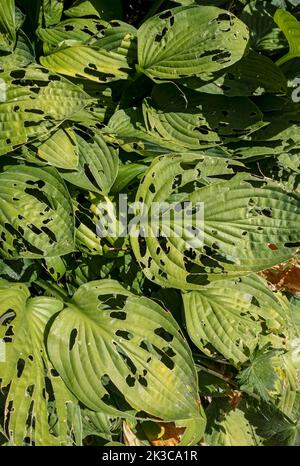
(55, 290)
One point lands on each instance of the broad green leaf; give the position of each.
(26, 270)
(190, 40)
(234, 317)
(192, 119)
(265, 36)
(107, 59)
(52, 11)
(82, 8)
(98, 163)
(254, 74)
(77, 30)
(32, 379)
(86, 238)
(7, 26)
(56, 267)
(60, 149)
(33, 102)
(108, 342)
(99, 424)
(128, 173)
(260, 376)
(22, 55)
(36, 215)
(230, 427)
(281, 118)
(290, 26)
(249, 224)
(128, 129)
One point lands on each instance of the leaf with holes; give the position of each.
(32, 381)
(109, 345)
(231, 228)
(34, 102)
(190, 40)
(98, 163)
(36, 214)
(234, 317)
(107, 59)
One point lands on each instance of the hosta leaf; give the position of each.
(82, 8)
(254, 74)
(60, 149)
(86, 236)
(22, 55)
(291, 29)
(99, 424)
(128, 128)
(36, 215)
(108, 339)
(79, 30)
(56, 267)
(190, 40)
(27, 369)
(265, 36)
(98, 163)
(7, 26)
(234, 317)
(205, 119)
(260, 375)
(281, 117)
(127, 174)
(76, 61)
(33, 102)
(52, 11)
(19, 270)
(230, 427)
(249, 224)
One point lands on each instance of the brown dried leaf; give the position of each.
(284, 277)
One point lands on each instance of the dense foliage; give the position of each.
(125, 338)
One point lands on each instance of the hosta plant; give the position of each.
(149, 195)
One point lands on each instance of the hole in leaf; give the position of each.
(72, 340)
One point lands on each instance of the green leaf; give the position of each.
(77, 30)
(249, 224)
(254, 74)
(52, 11)
(109, 340)
(27, 370)
(34, 101)
(290, 26)
(81, 8)
(36, 215)
(192, 119)
(230, 427)
(188, 41)
(264, 35)
(7, 26)
(98, 163)
(260, 377)
(107, 59)
(22, 55)
(60, 149)
(234, 317)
